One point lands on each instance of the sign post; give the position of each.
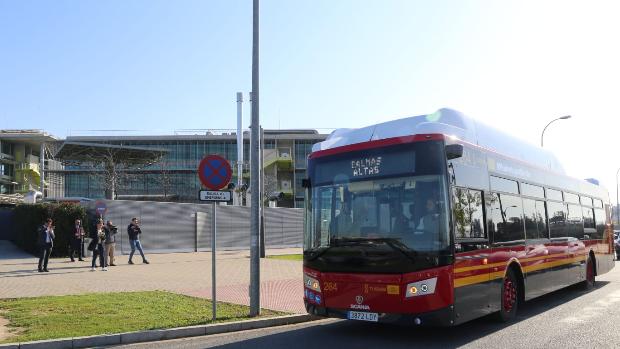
(100, 208)
(214, 172)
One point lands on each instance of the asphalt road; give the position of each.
(569, 318)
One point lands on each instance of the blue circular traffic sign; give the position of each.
(214, 172)
(100, 207)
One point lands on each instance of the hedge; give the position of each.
(28, 219)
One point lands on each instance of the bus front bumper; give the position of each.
(439, 317)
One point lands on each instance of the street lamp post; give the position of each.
(616, 209)
(550, 122)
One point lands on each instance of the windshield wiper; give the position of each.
(393, 243)
(317, 252)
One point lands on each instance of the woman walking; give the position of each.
(98, 240)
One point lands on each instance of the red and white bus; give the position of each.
(439, 219)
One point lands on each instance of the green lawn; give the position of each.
(288, 257)
(102, 313)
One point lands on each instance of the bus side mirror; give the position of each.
(305, 183)
(454, 151)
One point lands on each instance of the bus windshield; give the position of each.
(403, 202)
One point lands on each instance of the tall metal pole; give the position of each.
(213, 260)
(239, 146)
(42, 168)
(262, 190)
(255, 177)
(616, 211)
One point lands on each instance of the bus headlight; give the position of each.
(421, 288)
(312, 283)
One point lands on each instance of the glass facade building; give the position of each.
(284, 165)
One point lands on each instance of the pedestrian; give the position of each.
(134, 231)
(96, 245)
(110, 242)
(46, 242)
(76, 241)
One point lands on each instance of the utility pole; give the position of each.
(262, 191)
(255, 176)
(239, 195)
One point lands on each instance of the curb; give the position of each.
(157, 335)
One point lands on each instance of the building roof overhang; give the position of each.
(86, 151)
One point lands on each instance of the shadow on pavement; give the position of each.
(349, 334)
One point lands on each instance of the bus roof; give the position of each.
(452, 123)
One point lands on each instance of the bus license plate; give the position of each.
(363, 316)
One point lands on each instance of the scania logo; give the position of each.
(359, 299)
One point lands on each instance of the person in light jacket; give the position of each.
(110, 242)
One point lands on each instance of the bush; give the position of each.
(28, 219)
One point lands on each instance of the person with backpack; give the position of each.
(134, 231)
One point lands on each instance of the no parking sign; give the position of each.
(214, 172)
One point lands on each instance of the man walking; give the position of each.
(76, 242)
(46, 242)
(110, 243)
(134, 231)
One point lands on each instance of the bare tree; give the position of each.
(112, 165)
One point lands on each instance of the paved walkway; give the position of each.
(187, 273)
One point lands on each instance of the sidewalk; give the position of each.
(186, 273)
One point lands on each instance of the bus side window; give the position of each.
(505, 218)
(557, 219)
(468, 213)
(599, 219)
(589, 226)
(575, 221)
(535, 219)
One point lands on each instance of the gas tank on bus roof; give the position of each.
(448, 122)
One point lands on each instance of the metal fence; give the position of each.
(186, 227)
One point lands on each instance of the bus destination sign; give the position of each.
(366, 166)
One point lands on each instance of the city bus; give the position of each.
(439, 219)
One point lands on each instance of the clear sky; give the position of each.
(157, 66)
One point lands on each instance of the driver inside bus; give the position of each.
(342, 222)
(430, 221)
(400, 222)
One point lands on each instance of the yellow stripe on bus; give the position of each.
(476, 279)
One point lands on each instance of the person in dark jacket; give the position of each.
(110, 242)
(98, 237)
(134, 231)
(46, 243)
(76, 241)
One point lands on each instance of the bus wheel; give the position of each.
(590, 280)
(510, 297)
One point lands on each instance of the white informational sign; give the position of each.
(215, 195)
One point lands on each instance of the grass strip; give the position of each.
(53, 317)
(288, 257)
